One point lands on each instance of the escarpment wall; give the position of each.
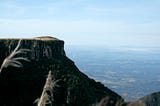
(39, 48)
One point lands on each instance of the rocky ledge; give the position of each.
(21, 86)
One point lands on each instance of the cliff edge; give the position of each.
(21, 86)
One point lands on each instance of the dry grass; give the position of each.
(43, 38)
(11, 60)
(47, 93)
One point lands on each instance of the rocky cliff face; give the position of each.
(41, 47)
(22, 86)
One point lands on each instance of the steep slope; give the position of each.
(148, 100)
(22, 86)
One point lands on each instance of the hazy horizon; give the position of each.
(83, 22)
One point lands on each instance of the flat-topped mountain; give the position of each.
(40, 47)
(21, 86)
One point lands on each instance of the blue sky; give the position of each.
(84, 22)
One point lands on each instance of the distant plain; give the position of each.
(132, 72)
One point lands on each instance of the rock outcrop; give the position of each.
(22, 86)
